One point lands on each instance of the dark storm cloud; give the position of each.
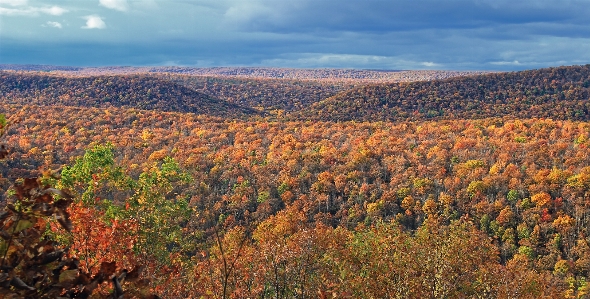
(388, 16)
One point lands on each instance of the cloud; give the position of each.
(120, 5)
(32, 11)
(251, 14)
(14, 2)
(376, 34)
(515, 62)
(94, 22)
(331, 60)
(430, 64)
(54, 10)
(376, 16)
(53, 24)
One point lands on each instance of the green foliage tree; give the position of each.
(160, 213)
(148, 200)
(2, 121)
(94, 172)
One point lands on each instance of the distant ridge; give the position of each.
(257, 72)
(131, 91)
(37, 67)
(317, 74)
(558, 93)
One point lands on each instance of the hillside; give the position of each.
(273, 90)
(559, 93)
(134, 91)
(268, 94)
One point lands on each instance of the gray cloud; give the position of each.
(387, 16)
(20, 8)
(53, 24)
(120, 5)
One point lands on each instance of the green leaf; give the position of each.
(22, 225)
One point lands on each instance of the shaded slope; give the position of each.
(141, 92)
(268, 94)
(559, 93)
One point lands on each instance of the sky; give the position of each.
(361, 34)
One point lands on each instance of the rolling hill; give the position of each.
(558, 93)
(268, 94)
(133, 91)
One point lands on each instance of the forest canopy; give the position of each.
(356, 203)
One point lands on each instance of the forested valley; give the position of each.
(190, 186)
